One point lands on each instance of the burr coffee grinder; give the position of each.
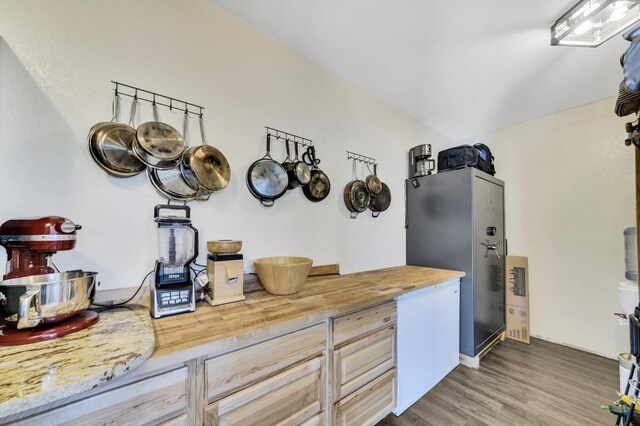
(420, 161)
(173, 289)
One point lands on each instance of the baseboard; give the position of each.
(580, 348)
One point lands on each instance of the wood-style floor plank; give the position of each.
(517, 384)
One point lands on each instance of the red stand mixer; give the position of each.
(31, 242)
(36, 302)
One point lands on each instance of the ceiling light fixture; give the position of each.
(590, 23)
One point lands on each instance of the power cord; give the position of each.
(129, 299)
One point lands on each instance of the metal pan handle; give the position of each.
(268, 154)
(132, 113)
(25, 319)
(267, 203)
(159, 207)
(202, 134)
(114, 107)
(288, 159)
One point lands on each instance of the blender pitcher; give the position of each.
(177, 244)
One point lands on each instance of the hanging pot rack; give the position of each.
(361, 158)
(286, 136)
(157, 98)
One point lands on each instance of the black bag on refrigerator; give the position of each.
(485, 159)
(478, 156)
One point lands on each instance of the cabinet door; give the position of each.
(359, 362)
(369, 404)
(236, 370)
(290, 398)
(149, 401)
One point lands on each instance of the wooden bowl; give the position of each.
(282, 275)
(224, 246)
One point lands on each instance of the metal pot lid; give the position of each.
(110, 147)
(268, 178)
(303, 172)
(374, 185)
(210, 167)
(382, 201)
(160, 141)
(170, 184)
(359, 196)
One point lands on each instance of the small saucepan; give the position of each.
(381, 202)
(267, 180)
(298, 171)
(319, 184)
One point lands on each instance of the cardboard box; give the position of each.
(517, 324)
(517, 281)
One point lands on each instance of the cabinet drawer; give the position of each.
(290, 398)
(358, 324)
(238, 369)
(149, 401)
(369, 404)
(359, 362)
(317, 420)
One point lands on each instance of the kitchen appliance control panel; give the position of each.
(169, 299)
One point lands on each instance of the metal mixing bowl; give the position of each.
(41, 300)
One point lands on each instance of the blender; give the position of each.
(172, 289)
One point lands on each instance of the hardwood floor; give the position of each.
(517, 384)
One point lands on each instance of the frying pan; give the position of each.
(205, 167)
(110, 145)
(267, 180)
(356, 196)
(319, 184)
(381, 202)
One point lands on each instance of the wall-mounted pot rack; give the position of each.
(286, 136)
(157, 98)
(361, 158)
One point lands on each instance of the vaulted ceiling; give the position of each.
(462, 67)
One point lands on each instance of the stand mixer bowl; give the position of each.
(44, 300)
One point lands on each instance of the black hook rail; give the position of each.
(286, 136)
(361, 158)
(157, 98)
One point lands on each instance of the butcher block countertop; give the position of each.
(218, 329)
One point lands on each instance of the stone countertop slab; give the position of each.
(39, 373)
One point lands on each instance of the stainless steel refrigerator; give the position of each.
(455, 220)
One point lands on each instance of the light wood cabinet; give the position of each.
(358, 324)
(359, 362)
(289, 398)
(159, 399)
(238, 369)
(369, 404)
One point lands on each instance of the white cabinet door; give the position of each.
(428, 340)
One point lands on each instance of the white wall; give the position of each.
(56, 63)
(569, 195)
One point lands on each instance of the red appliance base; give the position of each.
(11, 336)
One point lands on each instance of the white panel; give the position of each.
(428, 340)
